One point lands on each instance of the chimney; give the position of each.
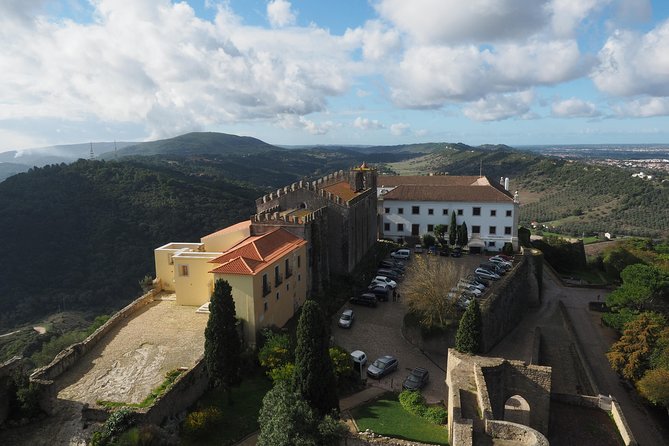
(506, 183)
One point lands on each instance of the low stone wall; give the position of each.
(569, 326)
(517, 433)
(621, 424)
(364, 439)
(45, 376)
(579, 400)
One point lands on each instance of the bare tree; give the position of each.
(427, 289)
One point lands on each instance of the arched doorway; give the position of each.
(517, 410)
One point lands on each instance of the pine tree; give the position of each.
(314, 378)
(452, 230)
(468, 336)
(463, 237)
(222, 347)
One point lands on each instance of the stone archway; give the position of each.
(517, 410)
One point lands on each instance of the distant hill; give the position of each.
(197, 143)
(9, 169)
(65, 153)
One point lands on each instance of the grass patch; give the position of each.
(170, 377)
(386, 416)
(238, 420)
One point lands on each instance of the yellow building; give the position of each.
(267, 273)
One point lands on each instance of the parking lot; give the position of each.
(378, 331)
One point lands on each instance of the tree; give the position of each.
(463, 236)
(654, 386)
(630, 355)
(452, 230)
(468, 336)
(429, 297)
(428, 240)
(649, 276)
(222, 347)
(314, 378)
(440, 232)
(631, 296)
(286, 419)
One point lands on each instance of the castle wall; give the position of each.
(515, 292)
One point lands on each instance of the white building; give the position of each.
(414, 205)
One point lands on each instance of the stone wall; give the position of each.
(621, 424)
(516, 433)
(519, 289)
(583, 360)
(44, 376)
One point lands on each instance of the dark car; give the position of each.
(382, 292)
(443, 252)
(457, 252)
(490, 266)
(416, 379)
(368, 299)
(382, 366)
(389, 273)
(392, 264)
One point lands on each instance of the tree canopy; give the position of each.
(222, 346)
(452, 229)
(468, 336)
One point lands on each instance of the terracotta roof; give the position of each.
(431, 180)
(255, 253)
(342, 190)
(477, 194)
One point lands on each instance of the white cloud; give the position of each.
(377, 41)
(568, 14)
(574, 108)
(449, 21)
(367, 124)
(288, 121)
(155, 62)
(399, 128)
(497, 107)
(633, 64)
(643, 108)
(279, 13)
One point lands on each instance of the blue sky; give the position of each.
(348, 72)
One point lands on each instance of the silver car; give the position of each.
(346, 319)
(382, 366)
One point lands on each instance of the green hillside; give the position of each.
(196, 143)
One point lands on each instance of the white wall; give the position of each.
(485, 220)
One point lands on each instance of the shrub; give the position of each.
(117, 423)
(412, 401)
(435, 414)
(198, 423)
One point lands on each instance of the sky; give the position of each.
(364, 72)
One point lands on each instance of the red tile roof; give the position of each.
(445, 188)
(255, 253)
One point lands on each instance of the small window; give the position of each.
(508, 213)
(386, 210)
(491, 244)
(476, 211)
(507, 230)
(492, 230)
(476, 229)
(265, 306)
(444, 212)
(299, 261)
(287, 286)
(299, 277)
(430, 212)
(265, 285)
(400, 211)
(493, 212)
(460, 212)
(400, 227)
(386, 226)
(170, 259)
(415, 210)
(277, 296)
(183, 270)
(430, 228)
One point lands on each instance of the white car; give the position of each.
(346, 319)
(470, 288)
(359, 357)
(472, 283)
(486, 274)
(383, 280)
(500, 261)
(401, 254)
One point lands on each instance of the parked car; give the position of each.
(486, 274)
(359, 357)
(495, 268)
(368, 299)
(392, 264)
(505, 257)
(384, 281)
(416, 379)
(389, 273)
(418, 249)
(382, 366)
(346, 319)
(472, 282)
(432, 250)
(381, 291)
(457, 252)
(443, 251)
(501, 262)
(402, 254)
(470, 288)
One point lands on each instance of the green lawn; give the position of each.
(386, 416)
(240, 419)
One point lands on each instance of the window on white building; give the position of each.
(492, 230)
(507, 230)
(460, 211)
(400, 210)
(493, 212)
(430, 228)
(386, 210)
(415, 210)
(476, 229)
(386, 226)
(444, 212)
(476, 211)
(430, 212)
(183, 270)
(508, 213)
(400, 227)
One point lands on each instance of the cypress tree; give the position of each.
(222, 347)
(463, 237)
(314, 378)
(452, 230)
(468, 336)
